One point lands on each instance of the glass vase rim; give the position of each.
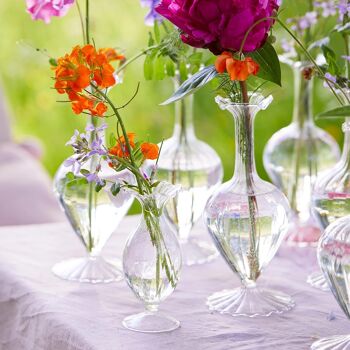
(262, 102)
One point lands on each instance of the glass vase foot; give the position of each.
(318, 281)
(149, 322)
(89, 270)
(338, 342)
(197, 252)
(250, 302)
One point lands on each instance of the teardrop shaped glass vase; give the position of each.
(296, 155)
(334, 260)
(152, 262)
(194, 165)
(94, 216)
(247, 219)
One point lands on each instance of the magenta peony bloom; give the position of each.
(45, 9)
(220, 25)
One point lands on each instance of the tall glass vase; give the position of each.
(331, 198)
(194, 165)
(334, 260)
(152, 262)
(296, 154)
(247, 219)
(94, 216)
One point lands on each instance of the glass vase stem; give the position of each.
(245, 131)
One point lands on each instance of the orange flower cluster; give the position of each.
(149, 150)
(76, 71)
(237, 69)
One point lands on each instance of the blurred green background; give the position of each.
(26, 77)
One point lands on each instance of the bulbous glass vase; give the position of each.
(194, 165)
(334, 260)
(331, 198)
(295, 155)
(152, 262)
(247, 219)
(94, 216)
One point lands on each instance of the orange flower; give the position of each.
(120, 149)
(150, 150)
(237, 69)
(84, 66)
(111, 54)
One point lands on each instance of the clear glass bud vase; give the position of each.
(296, 154)
(331, 197)
(334, 260)
(94, 216)
(152, 262)
(194, 165)
(247, 219)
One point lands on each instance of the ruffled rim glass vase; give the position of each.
(331, 197)
(194, 165)
(94, 216)
(297, 154)
(247, 218)
(152, 262)
(334, 260)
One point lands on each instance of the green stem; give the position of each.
(134, 58)
(81, 22)
(252, 202)
(127, 142)
(87, 21)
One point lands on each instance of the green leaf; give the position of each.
(183, 71)
(84, 172)
(159, 68)
(70, 176)
(331, 59)
(99, 186)
(115, 189)
(53, 62)
(150, 39)
(339, 112)
(156, 32)
(170, 67)
(111, 140)
(194, 83)
(270, 68)
(148, 67)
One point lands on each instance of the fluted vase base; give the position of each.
(89, 270)
(149, 322)
(318, 281)
(250, 302)
(338, 342)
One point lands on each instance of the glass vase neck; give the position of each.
(183, 128)
(303, 94)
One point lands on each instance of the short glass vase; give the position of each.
(152, 262)
(334, 260)
(93, 216)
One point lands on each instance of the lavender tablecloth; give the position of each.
(40, 312)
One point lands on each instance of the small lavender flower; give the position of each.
(288, 48)
(344, 9)
(346, 58)
(73, 163)
(330, 79)
(152, 16)
(308, 20)
(328, 8)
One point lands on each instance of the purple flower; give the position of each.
(346, 58)
(328, 8)
(74, 164)
(152, 16)
(45, 9)
(97, 148)
(330, 79)
(344, 9)
(220, 25)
